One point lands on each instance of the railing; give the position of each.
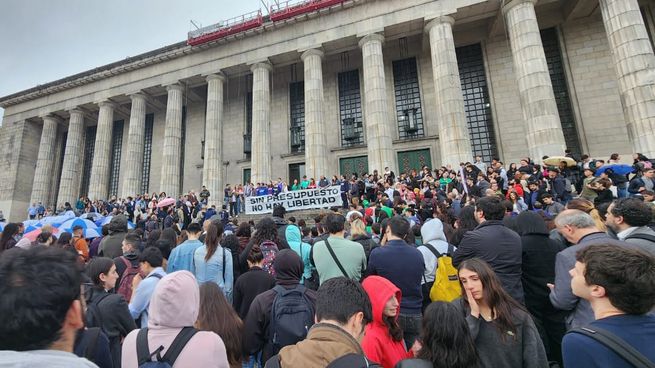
(225, 28)
(290, 9)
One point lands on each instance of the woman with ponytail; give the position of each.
(587, 206)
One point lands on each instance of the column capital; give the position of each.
(220, 76)
(106, 103)
(137, 95)
(312, 52)
(514, 3)
(263, 64)
(76, 111)
(439, 20)
(174, 87)
(51, 117)
(373, 37)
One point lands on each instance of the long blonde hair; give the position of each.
(357, 227)
(587, 206)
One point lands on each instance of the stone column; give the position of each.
(260, 162)
(316, 152)
(135, 139)
(99, 181)
(376, 110)
(633, 57)
(71, 171)
(543, 128)
(454, 141)
(212, 168)
(172, 153)
(45, 162)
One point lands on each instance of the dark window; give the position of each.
(297, 115)
(116, 148)
(183, 145)
(560, 88)
(296, 171)
(62, 150)
(246, 176)
(247, 137)
(645, 14)
(409, 115)
(350, 109)
(476, 101)
(147, 153)
(89, 146)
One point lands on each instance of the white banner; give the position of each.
(305, 199)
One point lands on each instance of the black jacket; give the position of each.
(501, 248)
(248, 286)
(539, 252)
(117, 321)
(367, 243)
(258, 320)
(281, 232)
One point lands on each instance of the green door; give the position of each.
(409, 160)
(350, 165)
(246, 176)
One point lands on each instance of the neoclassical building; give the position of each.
(327, 87)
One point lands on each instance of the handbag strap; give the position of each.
(617, 345)
(334, 257)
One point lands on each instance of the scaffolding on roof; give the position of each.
(225, 28)
(292, 8)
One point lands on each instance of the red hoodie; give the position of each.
(377, 343)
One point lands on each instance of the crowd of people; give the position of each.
(475, 266)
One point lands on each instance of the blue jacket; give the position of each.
(181, 257)
(141, 298)
(214, 269)
(402, 264)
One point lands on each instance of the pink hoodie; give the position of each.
(175, 304)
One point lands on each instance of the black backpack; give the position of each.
(144, 355)
(351, 360)
(292, 315)
(93, 316)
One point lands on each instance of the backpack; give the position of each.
(567, 183)
(648, 237)
(446, 286)
(292, 314)
(144, 355)
(93, 318)
(351, 360)
(125, 287)
(269, 249)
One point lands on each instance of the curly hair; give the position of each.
(266, 230)
(633, 210)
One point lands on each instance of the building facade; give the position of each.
(356, 86)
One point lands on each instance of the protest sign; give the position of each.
(305, 199)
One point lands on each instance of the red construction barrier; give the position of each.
(291, 9)
(229, 27)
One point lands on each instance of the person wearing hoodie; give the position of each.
(175, 304)
(294, 239)
(288, 272)
(281, 224)
(383, 339)
(434, 245)
(343, 310)
(403, 265)
(111, 245)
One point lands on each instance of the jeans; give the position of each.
(622, 191)
(411, 326)
(253, 361)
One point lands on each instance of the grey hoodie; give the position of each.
(432, 233)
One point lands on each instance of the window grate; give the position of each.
(89, 147)
(409, 115)
(147, 153)
(297, 116)
(560, 89)
(476, 101)
(116, 148)
(350, 109)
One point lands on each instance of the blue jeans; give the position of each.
(253, 361)
(622, 191)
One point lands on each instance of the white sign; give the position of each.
(305, 199)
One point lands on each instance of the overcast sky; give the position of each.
(45, 40)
